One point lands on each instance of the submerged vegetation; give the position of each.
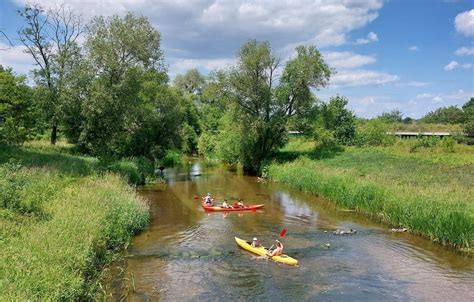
(61, 219)
(429, 193)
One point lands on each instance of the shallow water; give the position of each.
(187, 254)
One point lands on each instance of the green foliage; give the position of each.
(468, 109)
(57, 258)
(445, 115)
(171, 158)
(207, 145)
(409, 191)
(17, 111)
(425, 142)
(228, 141)
(191, 82)
(394, 116)
(60, 222)
(339, 120)
(263, 109)
(326, 143)
(374, 133)
(448, 144)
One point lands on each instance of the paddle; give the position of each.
(282, 234)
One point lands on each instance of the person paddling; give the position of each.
(277, 251)
(208, 199)
(225, 205)
(239, 204)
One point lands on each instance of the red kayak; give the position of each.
(251, 207)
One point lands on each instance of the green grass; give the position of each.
(60, 221)
(429, 192)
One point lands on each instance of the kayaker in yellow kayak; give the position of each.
(255, 242)
(277, 251)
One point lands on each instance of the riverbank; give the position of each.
(62, 218)
(429, 192)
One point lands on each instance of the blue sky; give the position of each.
(414, 56)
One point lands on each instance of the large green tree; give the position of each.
(50, 38)
(131, 110)
(266, 101)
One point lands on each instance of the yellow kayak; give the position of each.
(261, 251)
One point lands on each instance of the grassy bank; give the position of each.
(429, 192)
(61, 218)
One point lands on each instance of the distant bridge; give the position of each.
(404, 134)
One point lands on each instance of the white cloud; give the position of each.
(413, 84)
(371, 37)
(423, 95)
(464, 51)
(182, 65)
(216, 28)
(437, 99)
(16, 58)
(452, 65)
(347, 59)
(360, 77)
(464, 23)
(414, 48)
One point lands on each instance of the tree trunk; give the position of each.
(54, 134)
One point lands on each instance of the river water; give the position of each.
(188, 255)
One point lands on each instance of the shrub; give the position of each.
(425, 142)
(171, 158)
(374, 133)
(448, 144)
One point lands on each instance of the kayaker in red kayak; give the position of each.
(208, 199)
(238, 204)
(225, 205)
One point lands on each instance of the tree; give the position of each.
(50, 38)
(264, 102)
(394, 116)
(17, 111)
(130, 111)
(445, 115)
(191, 82)
(468, 110)
(339, 120)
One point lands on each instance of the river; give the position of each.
(188, 255)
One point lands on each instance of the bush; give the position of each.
(326, 143)
(448, 144)
(171, 158)
(425, 142)
(374, 133)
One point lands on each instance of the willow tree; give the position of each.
(267, 99)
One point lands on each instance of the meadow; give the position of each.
(427, 190)
(62, 217)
